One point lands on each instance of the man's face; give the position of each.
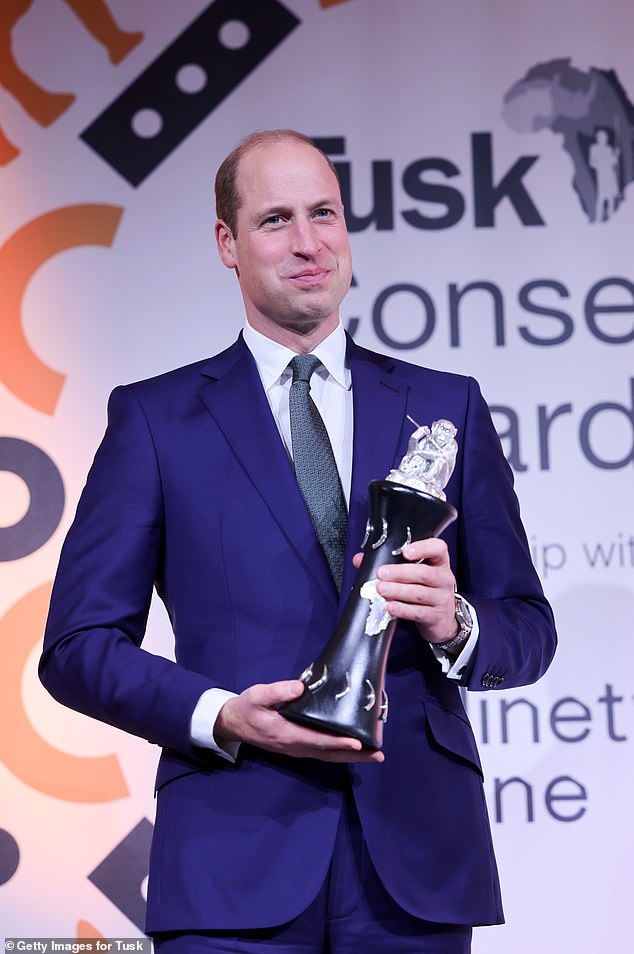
(291, 252)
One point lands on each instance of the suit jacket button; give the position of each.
(499, 680)
(486, 680)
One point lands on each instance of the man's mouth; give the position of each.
(309, 276)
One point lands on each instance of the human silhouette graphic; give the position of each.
(593, 117)
(604, 159)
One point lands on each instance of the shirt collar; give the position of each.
(272, 358)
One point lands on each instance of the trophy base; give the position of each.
(369, 732)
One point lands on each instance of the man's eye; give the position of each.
(323, 213)
(273, 220)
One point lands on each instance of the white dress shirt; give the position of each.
(331, 390)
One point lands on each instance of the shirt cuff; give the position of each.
(203, 721)
(457, 668)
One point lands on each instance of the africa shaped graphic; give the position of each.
(595, 118)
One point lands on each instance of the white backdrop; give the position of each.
(474, 251)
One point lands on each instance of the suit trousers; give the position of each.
(352, 914)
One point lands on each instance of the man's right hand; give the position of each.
(252, 717)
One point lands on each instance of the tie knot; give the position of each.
(303, 366)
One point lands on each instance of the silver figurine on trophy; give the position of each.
(345, 691)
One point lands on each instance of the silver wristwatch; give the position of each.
(465, 625)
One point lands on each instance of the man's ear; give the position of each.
(225, 243)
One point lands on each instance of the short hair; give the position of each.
(227, 195)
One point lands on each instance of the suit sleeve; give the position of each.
(494, 568)
(92, 659)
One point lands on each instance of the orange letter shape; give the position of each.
(72, 778)
(20, 257)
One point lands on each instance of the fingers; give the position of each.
(426, 578)
(436, 623)
(421, 589)
(432, 550)
(300, 741)
(304, 742)
(427, 600)
(426, 567)
(275, 693)
(253, 717)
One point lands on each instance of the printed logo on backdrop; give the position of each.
(43, 105)
(590, 110)
(166, 101)
(593, 115)
(185, 83)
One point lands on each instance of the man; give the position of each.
(270, 834)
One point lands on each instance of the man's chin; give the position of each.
(311, 309)
(307, 321)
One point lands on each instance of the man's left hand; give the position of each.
(421, 589)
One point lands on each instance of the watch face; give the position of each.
(463, 616)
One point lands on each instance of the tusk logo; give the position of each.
(591, 111)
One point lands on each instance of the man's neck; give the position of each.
(300, 339)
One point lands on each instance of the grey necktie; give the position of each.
(315, 466)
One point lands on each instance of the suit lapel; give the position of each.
(380, 403)
(236, 400)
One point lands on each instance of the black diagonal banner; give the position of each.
(224, 66)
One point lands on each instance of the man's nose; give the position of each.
(305, 238)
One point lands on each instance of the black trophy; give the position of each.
(345, 691)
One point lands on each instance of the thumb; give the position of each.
(284, 691)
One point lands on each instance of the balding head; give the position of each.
(228, 198)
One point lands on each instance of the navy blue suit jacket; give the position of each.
(193, 493)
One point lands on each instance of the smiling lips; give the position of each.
(309, 276)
